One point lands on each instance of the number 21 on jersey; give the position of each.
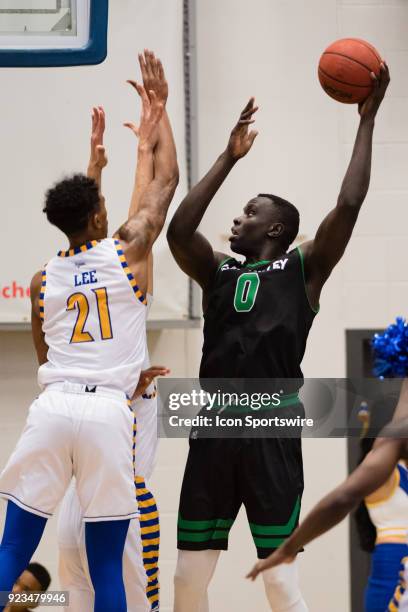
(78, 301)
(246, 291)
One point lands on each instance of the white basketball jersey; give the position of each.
(94, 318)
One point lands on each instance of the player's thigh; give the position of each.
(210, 496)
(40, 468)
(272, 488)
(104, 460)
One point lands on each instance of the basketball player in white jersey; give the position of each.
(140, 560)
(88, 321)
(369, 476)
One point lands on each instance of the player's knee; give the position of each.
(187, 577)
(282, 588)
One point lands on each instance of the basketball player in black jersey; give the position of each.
(257, 314)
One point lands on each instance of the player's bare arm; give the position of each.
(98, 159)
(334, 233)
(190, 248)
(154, 79)
(140, 231)
(36, 323)
(376, 469)
(332, 509)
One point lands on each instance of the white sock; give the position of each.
(282, 588)
(194, 571)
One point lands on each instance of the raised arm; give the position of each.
(98, 159)
(142, 229)
(190, 248)
(333, 235)
(154, 79)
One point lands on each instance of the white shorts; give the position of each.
(70, 431)
(140, 559)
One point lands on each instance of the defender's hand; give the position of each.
(147, 377)
(98, 153)
(368, 109)
(153, 75)
(241, 140)
(276, 558)
(152, 112)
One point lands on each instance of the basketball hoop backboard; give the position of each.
(53, 32)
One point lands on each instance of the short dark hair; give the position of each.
(41, 574)
(70, 203)
(291, 217)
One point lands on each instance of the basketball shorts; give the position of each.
(141, 553)
(75, 430)
(264, 474)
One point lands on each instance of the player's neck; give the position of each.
(80, 239)
(268, 253)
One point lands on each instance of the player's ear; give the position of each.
(97, 220)
(276, 230)
(98, 217)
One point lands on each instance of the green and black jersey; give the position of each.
(258, 320)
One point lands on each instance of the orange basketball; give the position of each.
(345, 67)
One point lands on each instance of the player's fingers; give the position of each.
(101, 151)
(154, 65)
(158, 371)
(142, 65)
(134, 84)
(254, 572)
(132, 127)
(246, 121)
(249, 105)
(161, 70)
(149, 64)
(144, 97)
(249, 112)
(252, 135)
(385, 72)
(101, 121)
(102, 115)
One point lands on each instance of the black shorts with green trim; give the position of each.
(264, 474)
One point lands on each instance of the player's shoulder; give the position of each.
(224, 261)
(303, 249)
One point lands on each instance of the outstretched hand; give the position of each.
(99, 158)
(152, 112)
(370, 106)
(276, 558)
(153, 75)
(241, 139)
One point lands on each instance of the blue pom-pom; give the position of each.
(391, 351)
